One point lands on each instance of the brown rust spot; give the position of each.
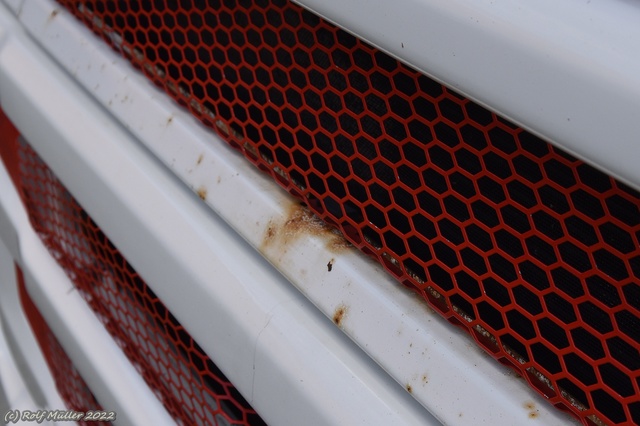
(200, 158)
(202, 193)
(339, 315)
(300, 221)
(409, 388)
(169, 120)
(533, 411)
(53, 14)
(425, 379)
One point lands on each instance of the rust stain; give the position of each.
(339, 315)
(409, 388)
(425, 379)
(202, 193)
(533, 411)
(169, 120)
(200, 158)
(53, 14)
(301, 221)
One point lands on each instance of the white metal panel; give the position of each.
(25, 380)
(568, 70)
(439, 365)
(259, 329)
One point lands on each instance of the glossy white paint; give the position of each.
(289, 360)
(440, 366)
(568, 71)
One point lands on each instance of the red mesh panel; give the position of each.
(191, 387)
(72, 388)
(533, 252)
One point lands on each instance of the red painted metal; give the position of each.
(535, 253)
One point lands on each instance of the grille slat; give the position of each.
(188, 383)
(533, 251)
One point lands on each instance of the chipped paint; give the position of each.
(330, 265)
(340, 314)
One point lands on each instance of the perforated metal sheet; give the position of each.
(72, 388)
(193, 390)
(533, 252)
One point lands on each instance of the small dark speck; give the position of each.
(402, 44)
(409, 389)
(330, 265)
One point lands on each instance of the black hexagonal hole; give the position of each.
(409, 177)
(581, 230)
(496, 165)
(429, 204)
(541, 250)
(624, 210)
(610, 264)
(632, 295)
(589, 344)
(595, 317)
(440, 277)
(425, 108)
(560, 308)
(580, 369)
(508, 243)
(527, 300)
(603, 290)
(567, 282)
(559, 173)
(490, 315)
(445, 254)
(587, 204)
(553, 333)
(479, 237)
(617, 238)
(534, 275)
(629, 324)
(435, 181)
(424, 226)
(547, 224)
(616, 380)
(574, 256)
(491, 190)
(502, 267)
(553, 199)
(609, 406)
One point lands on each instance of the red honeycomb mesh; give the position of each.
(191, 387)
(72, 388)
(533, 252)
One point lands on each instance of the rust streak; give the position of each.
(339, 315)
(409, 388)
(202, 193)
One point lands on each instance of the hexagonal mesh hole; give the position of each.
(495, 227)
